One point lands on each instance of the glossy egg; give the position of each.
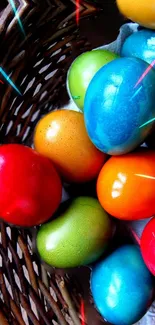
(148, 245)
(62, 137)
(122, 286)
(30, 187)
(118, 103)
(125, 186)
(140, 45)
(139, 11)
(82, 71)
(78, 236)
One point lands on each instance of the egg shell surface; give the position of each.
(122, 286)
(147, 245)
(83, 70)
(61, 136)
(125, 186)
(140, 45)
(118, 102)
(30, 187)
(77, 237)
(139, 11)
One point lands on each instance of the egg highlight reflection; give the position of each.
(83, 70)
(140, 45)
(125, 186)
(118, 102)
(122, 286)
(79, 236)
(61, 136)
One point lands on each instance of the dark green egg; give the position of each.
(77, 237)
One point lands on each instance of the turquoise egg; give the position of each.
(140, 45)
(119, 102)
(122, 286)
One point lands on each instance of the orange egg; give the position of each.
(126, 185)
(139, 11)
(61, 136)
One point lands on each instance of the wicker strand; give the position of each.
(38, 65)
(66, 297)
(58, 295)
(19, 268)
(6, 311)
(29, 265)
(28, 310)
(9, 272)
(25, 285)
(52, 303)
(3, 290)
(3, 234)
(16, 312)
(39, 306)
(3, 320)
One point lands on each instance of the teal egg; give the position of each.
(83, 70)
(122, 286)
(119, 102)
(140, 45)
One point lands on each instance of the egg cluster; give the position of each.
(103, 141)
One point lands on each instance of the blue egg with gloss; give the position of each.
(140, 45)
(122, 286)
(119, 102)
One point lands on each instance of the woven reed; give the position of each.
(37, 62)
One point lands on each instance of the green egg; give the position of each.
(83, 70)
(77, 237)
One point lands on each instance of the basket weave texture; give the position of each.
(36, 57)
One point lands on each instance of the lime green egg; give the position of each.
(83, 70)
(77, 237)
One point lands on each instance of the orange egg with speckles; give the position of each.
(61, 136)
(126, 185)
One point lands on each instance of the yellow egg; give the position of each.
(139, 11)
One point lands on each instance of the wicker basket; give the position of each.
(36, 55)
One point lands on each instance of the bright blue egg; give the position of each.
(119, 100)
(140, 45)
(122, 286)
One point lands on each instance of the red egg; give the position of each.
(30, 188)
(148, 245)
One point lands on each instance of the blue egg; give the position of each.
(119, 101)
(122, 286)
(140, 45)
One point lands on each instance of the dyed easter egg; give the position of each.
(148, 245)
(125, 186)
(140, 45)
(78, 236)
(30, 188)
(139, 11)
(118, 103)
(62, 137)
(122, 286)
(82, 71)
